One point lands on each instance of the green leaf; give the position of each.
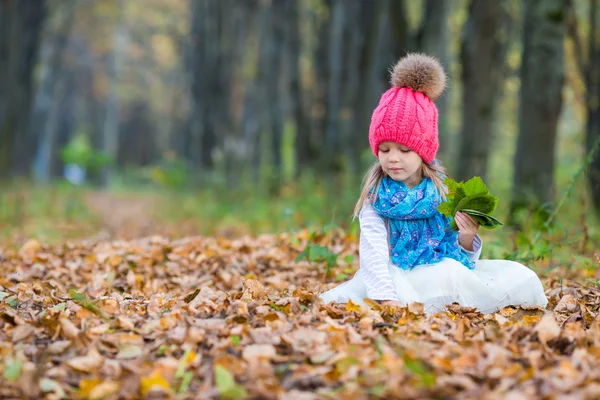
(235, 340)
(12, 370)
(182, 363)
(185, 382)
(458, 197)
(446, 208)
(59, 307)
(316, 252)
(488, 220)
(162, 349)
(226, 385)
(451, 184)
(418, 368)
(302, 255)
(475, 186)
(484, 203)
(341, 277)
(84, 301)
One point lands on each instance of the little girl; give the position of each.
(408, 252)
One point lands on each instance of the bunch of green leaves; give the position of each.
(473, 198)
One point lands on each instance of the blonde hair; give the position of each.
(436, 172)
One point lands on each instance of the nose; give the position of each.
(394, 156)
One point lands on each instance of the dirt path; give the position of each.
(123, 216)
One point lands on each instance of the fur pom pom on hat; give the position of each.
(406, 113)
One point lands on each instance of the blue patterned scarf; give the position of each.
(419, 234)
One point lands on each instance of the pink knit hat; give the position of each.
(406, 113)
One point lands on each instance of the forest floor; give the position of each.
(134, 313)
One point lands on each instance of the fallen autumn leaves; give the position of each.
(217, 318)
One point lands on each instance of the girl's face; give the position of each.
(400, 163)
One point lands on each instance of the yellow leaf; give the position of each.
(508, 311)
(115, 260)
(190, 357)
(531, 319)
(351, 306)
(154, 380)
(87, 385)
(373, 304)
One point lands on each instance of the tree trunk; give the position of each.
(331, 162)
(542, 76)
(206, 80)
(483, 54)
(196, 70)
(433, 39)
(371, 65)
(593, 103)
(21, 23)
(50, 96)
(303, 135)
(69, 109)
(254, 96)
(355, 31)
(112, 115)
(272, 78)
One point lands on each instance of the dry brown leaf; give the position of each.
(22, 332)
(69, 329)
(547, 329)
(253, 290)
(253, 351)
(568, 303)
(92, 361)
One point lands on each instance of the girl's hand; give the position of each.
(467, 229)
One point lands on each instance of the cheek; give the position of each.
(416, 162)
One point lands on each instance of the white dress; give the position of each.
(490, 286)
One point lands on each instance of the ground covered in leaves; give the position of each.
(240, 318)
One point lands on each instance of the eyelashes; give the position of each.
(387, 151)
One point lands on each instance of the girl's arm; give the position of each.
(374, 256)
(476, 252)
(468, 238)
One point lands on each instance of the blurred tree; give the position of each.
(589, 68)
(483, 54)
(374, 59)
(210, 67)
(540, 102)
(433, 38)
(113, 74)
(21, 23)
(304, 149)
(52, 90)
(272, 71)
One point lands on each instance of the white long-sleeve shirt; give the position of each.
(374, 255)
